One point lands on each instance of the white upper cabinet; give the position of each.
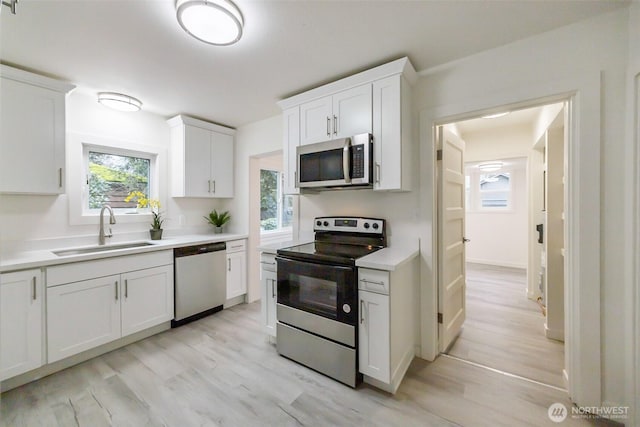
(375, 101)
(344, 114)
(291, 125)
(315, 121)
(32, 132)
(201, 158)
(392, 134)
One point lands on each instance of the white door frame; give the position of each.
(582, 307)
(633, 292)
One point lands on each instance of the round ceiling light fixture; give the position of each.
(216, 22)
(490, 167)
(119, 101)
(495, 115)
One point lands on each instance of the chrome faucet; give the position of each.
(112, 220)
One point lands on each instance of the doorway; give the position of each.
(509, 284)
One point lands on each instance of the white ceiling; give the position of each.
(525, 117)
(138, 48)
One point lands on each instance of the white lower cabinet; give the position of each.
(388, 321)
(21, 308)
(147, 299)
(83, 313)
(269, 293)
(373, 335)
(236, 269)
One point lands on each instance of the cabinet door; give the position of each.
(316, 121)
(20, 322)
(387, 134)
(221, 165)
(82, 315)
(268, 301)
(147, 298)
(291, 118)
(374, 346)
(236, 274)
(352, 112)
(197, 162)
(32, 139)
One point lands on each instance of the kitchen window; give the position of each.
(276, 208)
(111, 174)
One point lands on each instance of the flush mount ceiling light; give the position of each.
(119, 101)
(495, 115)
(216, 22)
(490, 167)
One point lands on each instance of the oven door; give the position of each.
(326, 290)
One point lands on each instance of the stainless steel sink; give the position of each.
(105, 248)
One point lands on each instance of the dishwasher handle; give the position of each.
(199, 249)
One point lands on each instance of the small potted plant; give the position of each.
(218, 220)
(156, 225)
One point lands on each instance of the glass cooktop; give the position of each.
(339, 253)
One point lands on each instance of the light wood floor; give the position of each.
(222, 371)
(505, 330)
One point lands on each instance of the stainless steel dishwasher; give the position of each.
(200, 281)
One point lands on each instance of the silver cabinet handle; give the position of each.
(377, 172)
(116, 290)
(295, 179)
(214, 186)
(361, 311)
(273, 289)
(328, 126)
(209, 191)
(228, 264)
(60, 177)
(372, 282)
(33, 288)
(126, 288)
(335, 125)
(346, 160)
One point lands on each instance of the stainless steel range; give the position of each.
(317, 308)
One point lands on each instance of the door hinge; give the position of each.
(439, 154)
(439, 317)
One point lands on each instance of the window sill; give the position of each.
(275, 236)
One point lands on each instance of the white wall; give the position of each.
(577, 53)
(252, 141)
(501, 238)
(30, 221)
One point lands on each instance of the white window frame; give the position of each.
(280, 230)
(475, 200)
(79, 146)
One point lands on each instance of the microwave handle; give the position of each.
(346, 160)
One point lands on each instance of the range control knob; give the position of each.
(318, 223)
(366, 225)
(326, 223)
(375, 226)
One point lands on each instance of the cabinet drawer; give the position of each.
(84, 270)
(373, 280)
(236, 245)
(267, 262)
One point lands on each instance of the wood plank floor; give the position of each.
(221, 371)
(504, 329)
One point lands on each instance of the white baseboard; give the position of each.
(554, 334)
(496, 263)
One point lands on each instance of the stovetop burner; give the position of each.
(336, 253)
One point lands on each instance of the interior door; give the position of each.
(451, 253)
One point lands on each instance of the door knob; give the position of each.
(465, 240)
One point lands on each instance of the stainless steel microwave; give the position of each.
(339, 163)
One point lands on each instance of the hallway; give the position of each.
(504, 330)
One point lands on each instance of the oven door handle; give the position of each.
(346, 160)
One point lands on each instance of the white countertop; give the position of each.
(43, 258)
(389, 258)
(272, 248)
